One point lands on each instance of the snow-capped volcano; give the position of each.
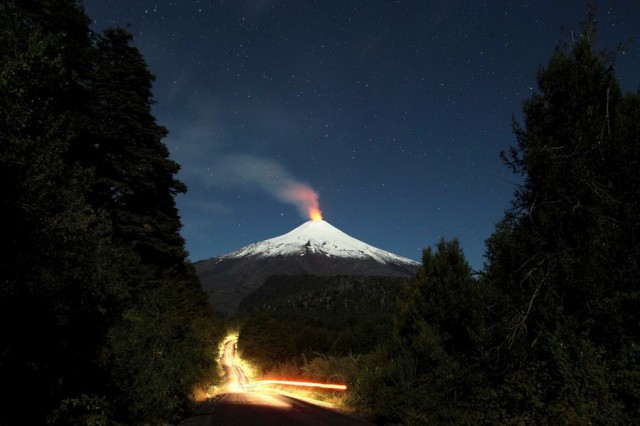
(318, 237)
(313, 248)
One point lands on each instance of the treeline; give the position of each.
(290, 319)
(547, 332)
(327, 298)
(103, 320)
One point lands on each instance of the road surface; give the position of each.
(239, 406)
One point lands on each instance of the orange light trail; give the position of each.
(297, 383)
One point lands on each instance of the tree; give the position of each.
(431, 363)
(165, 354)
(60, 289)
(160, 351)
(92, 257)
(439, 324)
(562, 261)
(135, 177)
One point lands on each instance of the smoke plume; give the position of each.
(233, 170)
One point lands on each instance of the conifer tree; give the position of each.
(102, 317)
(563, 259)
(429, 370)
(165, 340)
(135, 178)
(438, 325)
(59, 289)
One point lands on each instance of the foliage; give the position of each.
(83, 266)
(135, 179)
(158, 352)
(426, 372)
(563, 259)
(381, 386)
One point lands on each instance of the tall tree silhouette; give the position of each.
(135, 178)
(59, 287)
(563, 258)
(102, 317)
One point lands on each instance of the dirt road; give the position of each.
(268, 409)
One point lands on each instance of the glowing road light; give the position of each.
(299, 383)
(239, 382)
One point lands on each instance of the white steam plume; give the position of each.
(233, 170)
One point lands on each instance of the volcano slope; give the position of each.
(313, 248)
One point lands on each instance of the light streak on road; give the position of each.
(237, 379)
(332, 386)
(247, 402)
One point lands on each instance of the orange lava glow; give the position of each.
(315, 214)
(300, 383)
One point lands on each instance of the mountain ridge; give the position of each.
(313, 248)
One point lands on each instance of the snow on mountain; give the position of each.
(318, 237)
(313, 248)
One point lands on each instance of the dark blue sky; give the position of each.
(393, 111)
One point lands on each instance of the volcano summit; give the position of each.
(313, 248)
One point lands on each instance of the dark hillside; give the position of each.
(331, 299)
(229, 280)
(292, 318)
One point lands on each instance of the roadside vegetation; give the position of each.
(103, 319)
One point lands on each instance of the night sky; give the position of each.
(394, 112)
